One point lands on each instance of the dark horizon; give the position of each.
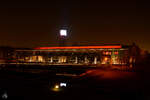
(36, 24)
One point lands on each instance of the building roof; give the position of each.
(80, 47)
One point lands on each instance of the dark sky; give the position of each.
(34, 24)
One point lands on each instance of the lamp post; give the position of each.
(63, 36)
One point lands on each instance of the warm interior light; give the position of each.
(56, 86)
(105, 58)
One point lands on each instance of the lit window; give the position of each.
(105, 59)
(116, 53)
(107, 53)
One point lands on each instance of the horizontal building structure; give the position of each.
(79, 47)
(89, 55)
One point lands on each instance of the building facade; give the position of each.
(75, 55)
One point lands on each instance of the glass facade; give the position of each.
(83, 56)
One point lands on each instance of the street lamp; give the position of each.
(62, 37)
(63, 32)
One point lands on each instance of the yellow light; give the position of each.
(105, 58)
(56, 86)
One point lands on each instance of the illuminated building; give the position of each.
(82, 55)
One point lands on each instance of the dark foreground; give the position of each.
(90, 84)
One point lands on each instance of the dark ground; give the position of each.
(104, 84)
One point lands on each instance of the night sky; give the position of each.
(34, 24)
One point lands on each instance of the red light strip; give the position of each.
(78, 47)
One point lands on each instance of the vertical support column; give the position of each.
(76, 59)
(59, 59)
(85, 59)
(51, 60)
(95, 60)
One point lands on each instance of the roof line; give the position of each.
(79, 47)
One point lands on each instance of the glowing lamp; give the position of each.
(63, 84)
(63, 32)
(56, 86)
(105, 58)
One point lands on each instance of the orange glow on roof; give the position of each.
(79, 47)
